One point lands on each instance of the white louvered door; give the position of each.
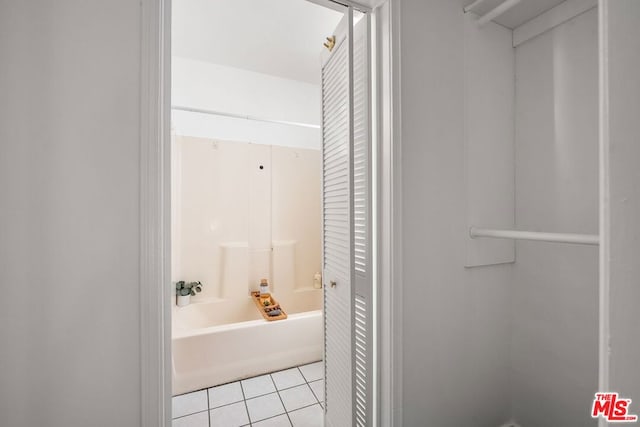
(361, 166)
(337, 226)
(346, 226)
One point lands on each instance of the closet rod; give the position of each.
(578, 239)
(242, 116)
(497, 11)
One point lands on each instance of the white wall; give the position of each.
(455, 320)
(475, 339)
(69, 215)
(209, 86)
(554, 345)
(623, 151)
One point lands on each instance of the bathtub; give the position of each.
(206, 352)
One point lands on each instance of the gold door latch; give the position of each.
(330, 43)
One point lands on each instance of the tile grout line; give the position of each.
(229, 404)
(209, 410)
(266, 394)
(189, 414)
(314, 393)
(307, 406)
(282, 401)
(309, 384)
(270, 418)
(304, 407)
(249, 378)
(317, 402)
(244, 399)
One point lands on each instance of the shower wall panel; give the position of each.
(242, 212)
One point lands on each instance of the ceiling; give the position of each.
(282, 37)
(278, 37)
(520, 13)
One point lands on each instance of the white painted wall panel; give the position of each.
(489, 97)
(554, 346)
(624, 153)
(455, 320)
(69, 213)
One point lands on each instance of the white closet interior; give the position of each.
(531, 148)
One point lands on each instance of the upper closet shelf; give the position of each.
(527, 18)
(493, 13)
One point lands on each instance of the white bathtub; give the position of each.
(207, 353)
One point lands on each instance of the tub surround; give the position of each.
(243, 212)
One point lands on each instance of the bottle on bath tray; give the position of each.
(264, 291)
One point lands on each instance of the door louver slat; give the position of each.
(361, 230)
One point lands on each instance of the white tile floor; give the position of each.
(292, 397)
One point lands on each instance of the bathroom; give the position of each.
(246, 206)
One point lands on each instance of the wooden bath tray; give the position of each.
(255, 296)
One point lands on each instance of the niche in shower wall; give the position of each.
(244, 211)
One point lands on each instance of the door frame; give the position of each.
(155, 213)
(156, 294)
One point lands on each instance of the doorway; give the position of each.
(271, 185)
(169, 299)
